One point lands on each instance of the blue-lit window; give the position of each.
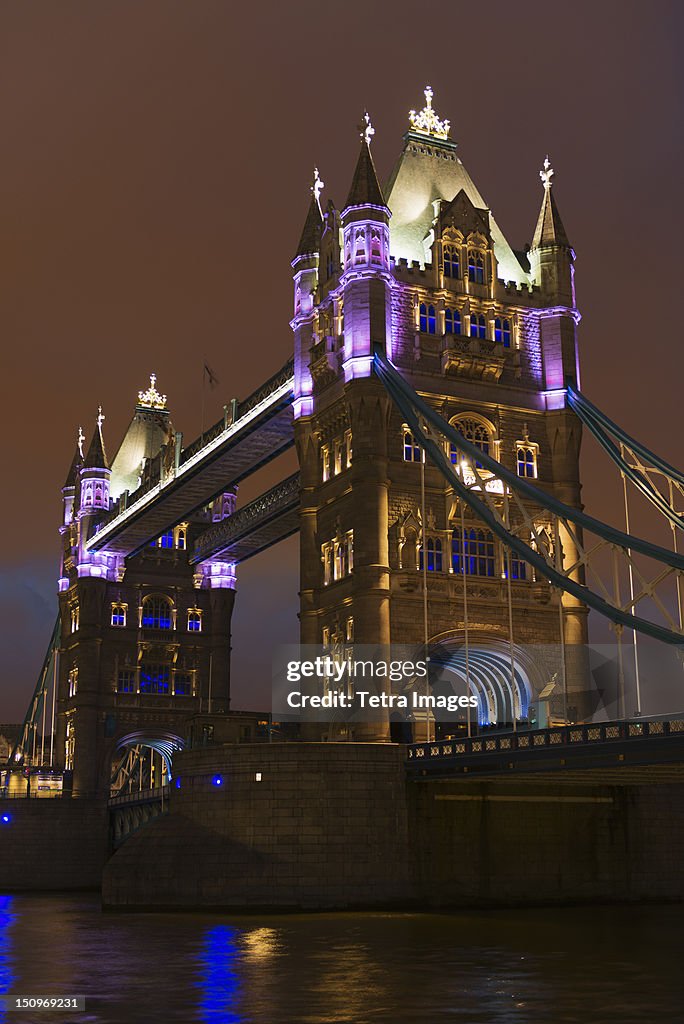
(125, 682)
(180, 543)
(451, 261)
(182, 684)
(527, 462)
(502, 331)
(154, 677)
(434, 555)
(473, 550)
(118, 615)
(478, 326)
(476, 272)
(412, 450)
(194, 620)
(157, 613)
(428, 319)
(166, 539)
(475, 432)
(518, 566)
(452, 321)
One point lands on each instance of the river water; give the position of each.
(587, 965)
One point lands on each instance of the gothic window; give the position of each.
(75, 618)
(434, 555)
(473, 552)
(327, 559)
(474, 431)
(181, 537)
(166, 539)
(69, 746)
(156, 613)
(194, 620)
(154, 677)
(349, 631)
(375, 246)
(452, 321)
(73, 681)
(125, 682)
(182, 684)
(325, 636)
(476, 272)
(360, 254)
(478, 326)
(348, 447)
(412, 450)
(427, 318)
(451, 261)
(527, 460)
(325, 462)
(119, 614)
(502, 331)
(518, 566)
(338, 456)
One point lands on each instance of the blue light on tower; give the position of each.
(217, 780)
(6, 818)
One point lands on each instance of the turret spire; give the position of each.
(310, 240)
(549, 230)
(97, 456)
(365, 189)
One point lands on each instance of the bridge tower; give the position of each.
(145, 639)
(487, 334)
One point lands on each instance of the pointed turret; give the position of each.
(305, 277)
(76, 463)
(97, 456)
(95, 473)
(310, 241)
(365, 189)
(550, 229)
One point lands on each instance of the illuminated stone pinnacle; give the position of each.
(546, 174)
(366, 129)
(151, 399)
(100, 417)
(427, 122)
(81, 439)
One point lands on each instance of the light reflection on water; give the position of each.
(591, 965)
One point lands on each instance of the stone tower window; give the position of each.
(75, 618)
(452, 321)
(518, 566)
(477, 432)
(527, 460)
(157, 613)
(478, 326)
(412, 450)
(119, 614)
(194, 620)
(73, 681)
(434, 555)
(476, 272)
(502, 331)
(154, 677)
(427, 320)
(473, 552)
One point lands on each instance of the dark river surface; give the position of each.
(586, 965)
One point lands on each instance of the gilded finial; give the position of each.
(317, 187)
(80, 440)
(151, 399)
(427, 122)
(546, 174)
(100, 418)
(366, 129)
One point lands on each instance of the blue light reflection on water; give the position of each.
(220, 984)
(7, 919)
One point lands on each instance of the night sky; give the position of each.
(156, 158)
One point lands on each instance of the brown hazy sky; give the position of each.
(156, 157)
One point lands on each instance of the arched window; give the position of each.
(166, 539)
(412, 450)
(451, 261)
(527, 461)
(125, 681)
(472, 551)
(476, 272)
(502, 331)
(434, 555)
(474, 431)
(194, 620)
(427, 318)
(518, 566)
(478, 326)
(157, 613)
(452, 321)
(181, 540)
(182, 684)
(154, 677)
(119, 614)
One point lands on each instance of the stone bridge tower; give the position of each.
(485, 333)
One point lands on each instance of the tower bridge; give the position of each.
(434, 402)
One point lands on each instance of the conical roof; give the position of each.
(310, 241)
(96, 457)
(550, 229)
(76, 463)
(365, 189)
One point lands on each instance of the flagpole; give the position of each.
(204, 379)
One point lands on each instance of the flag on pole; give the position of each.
(210, 376)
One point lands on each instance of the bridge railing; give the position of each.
(555, 737)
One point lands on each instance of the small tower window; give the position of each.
(166, 539)
(428, 319)
(194, 620)
(478, 326)
(451, 261)
(412, 450)
(452, 321)
(181, 537)
(349, 631)
(527, 460)
(518, 566)
(69, 746)
(475, 432)
(125, 682)
(154, 677)
(348, 447)
(157, 613)
(119, 614)
(502, 331)
(75, 618)
(73, 681)
(476, 267)
(338, 456)
(325, 462)
(182, 684)
(473, 551)
(434, 555)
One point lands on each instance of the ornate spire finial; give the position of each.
(366, 129)
(100, 418)
(151, 399)
(317, 187)
(80, 440)
(546, 174)
(427, 122)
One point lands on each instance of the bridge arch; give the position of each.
(130, 766)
